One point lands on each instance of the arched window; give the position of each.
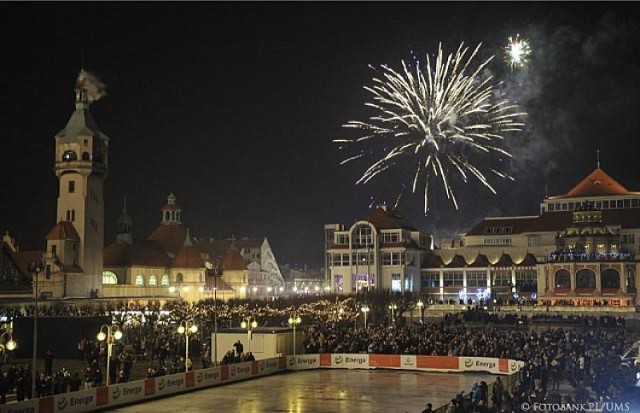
(69, 156)
(610, 279)
(153, 280)
(109, 277)
(179, 278)
(86, 156)
(563, 279)
(586, 279)
(140, 280)
(165, 280)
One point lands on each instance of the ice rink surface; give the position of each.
(322, 391)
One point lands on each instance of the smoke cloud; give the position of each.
(95, 88)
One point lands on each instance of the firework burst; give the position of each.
(435, 119)
(517, 52)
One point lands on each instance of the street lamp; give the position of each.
(249, 323)
(187, 328)
(9, 345)
(420, 305)
(392, 308)
(365, 309)
(113, 333)
(294, 320)
(37, 269)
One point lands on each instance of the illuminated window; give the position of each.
(165, 280)
(109, 277)
(69, 156)
(140, 280)
(153, 280)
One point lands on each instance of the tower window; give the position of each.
(73, 215)
(69, 156)
(68, 215)
(72, 187)
(86, 142)
(86, 156)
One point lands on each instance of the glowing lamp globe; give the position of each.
(11, 345)
(117, 335)
(194, 329)
(243, 324)
(254, 324)
(181, 330)
(101, 336)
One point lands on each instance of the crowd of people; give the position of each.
(582, 357)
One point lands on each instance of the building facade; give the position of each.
(381, 252)
(582, 249)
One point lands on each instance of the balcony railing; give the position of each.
(560, 256)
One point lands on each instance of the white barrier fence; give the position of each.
(137, 391)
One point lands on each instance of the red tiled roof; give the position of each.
(218, 283)
(22, 259)
(144, 253)
(598, 183)
(557, 221)
(233, 261)
(390, 219)
(171, 237)
(187, 257)
(63, 230)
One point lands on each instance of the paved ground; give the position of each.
(322, 391)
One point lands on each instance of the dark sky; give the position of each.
(233, 107)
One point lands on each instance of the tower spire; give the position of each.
(598, 157)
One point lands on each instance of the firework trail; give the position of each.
(434, 119)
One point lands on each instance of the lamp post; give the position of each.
(294, 320)
(215, 322)
(113, 333)
(187, 328)
(392, 308)
(365, 309)
(37, 269)
(420, 305)
(249, 323)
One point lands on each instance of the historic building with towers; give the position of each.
(170, 263)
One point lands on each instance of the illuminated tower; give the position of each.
(81, 164)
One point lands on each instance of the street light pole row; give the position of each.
(187, 328)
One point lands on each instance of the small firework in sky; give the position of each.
(434, 120)
(517, 52)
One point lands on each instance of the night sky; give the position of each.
(233, 107)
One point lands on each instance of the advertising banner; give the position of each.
(268, 366)
(437, 363)
(207, 377)
(126, 392)
(325, 360)
(303, 362)
(384, 360)
(170, 384)
(350, 361)
(486, 364)
(239, 371)
(408, 362)
(79, 401)
(29, 406)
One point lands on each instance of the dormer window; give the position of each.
(69, 156)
